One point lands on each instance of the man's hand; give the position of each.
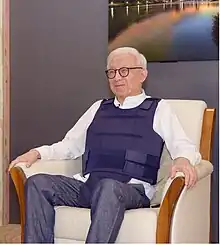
(183, 165)
(29, 158)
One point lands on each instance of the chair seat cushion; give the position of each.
(139, 225)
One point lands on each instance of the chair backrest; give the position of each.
(190, 114)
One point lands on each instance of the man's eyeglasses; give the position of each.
(123, 71)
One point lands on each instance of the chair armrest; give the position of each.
(20, 173)
(55, 167)
(203, 169)
(173, 190)
(191, 216)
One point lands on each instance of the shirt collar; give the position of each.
(131, 101)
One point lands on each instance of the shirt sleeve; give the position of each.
(73, 144)
(168, 126)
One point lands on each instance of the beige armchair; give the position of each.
(177, 214)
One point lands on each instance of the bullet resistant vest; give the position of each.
(121, 143)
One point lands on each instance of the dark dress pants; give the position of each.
(108, 202)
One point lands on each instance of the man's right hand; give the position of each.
(29, 158)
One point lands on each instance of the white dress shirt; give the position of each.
(165, 123)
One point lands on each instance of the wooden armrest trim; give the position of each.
(19, 178)
(207, 133)
(167, 208)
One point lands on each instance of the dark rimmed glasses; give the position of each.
(123, 71)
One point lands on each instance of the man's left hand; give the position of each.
(183, 165)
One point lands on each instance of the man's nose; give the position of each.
(117, 75)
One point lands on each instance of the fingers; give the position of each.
(12, 164)
(193, 177)
(189, 173)
(190, 177)
(16, 161)
(187, 177)
(173, 172)
(196, 176)
(29, 158)
(28, 164)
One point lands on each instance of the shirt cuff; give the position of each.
(194, 158)
(43, 150)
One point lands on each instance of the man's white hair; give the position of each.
(128, 50)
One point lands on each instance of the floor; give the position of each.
(10, 233)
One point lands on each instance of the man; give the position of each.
(121, 141)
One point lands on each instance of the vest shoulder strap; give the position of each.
(148, 102)
(107, 101)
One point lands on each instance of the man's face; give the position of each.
(130, 85)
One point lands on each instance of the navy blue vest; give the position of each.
(121, 143)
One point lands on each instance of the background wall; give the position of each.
(58, 52)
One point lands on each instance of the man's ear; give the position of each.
(144, 74)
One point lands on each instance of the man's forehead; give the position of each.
(123, 59)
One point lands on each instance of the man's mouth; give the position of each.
(119, 85)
